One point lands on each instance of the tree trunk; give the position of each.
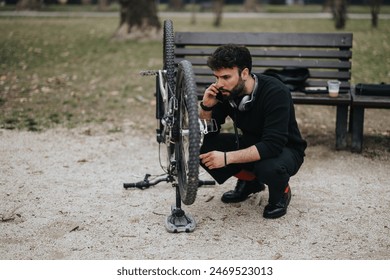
(339, 10)
(193, 11)
(138, 20)
(251, 5)
(375, 7)
(218, 7)
(28, 5)
(176, 5)
(103, 5)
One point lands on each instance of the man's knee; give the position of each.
(271, 171)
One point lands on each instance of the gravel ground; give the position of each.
(62, 198)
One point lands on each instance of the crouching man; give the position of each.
(269, 149)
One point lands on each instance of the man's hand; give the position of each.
(214, 159)
(210, 96)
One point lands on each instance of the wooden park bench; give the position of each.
(366, 96)
(327, 56)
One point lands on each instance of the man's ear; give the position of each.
(245, 74)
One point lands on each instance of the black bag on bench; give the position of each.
(293, 77)
(373, 89)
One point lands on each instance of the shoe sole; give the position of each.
(281, 214)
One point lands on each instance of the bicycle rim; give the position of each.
(168, 54)
(188, 144)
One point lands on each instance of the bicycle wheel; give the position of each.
(169, 67)
(188, 142)
(168, 55)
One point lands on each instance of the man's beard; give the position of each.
(236, 91)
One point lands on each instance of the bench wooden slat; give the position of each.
(309, 53)
(323, 76)
(320, 99)
(372, 101)
(340, 40)
(284, 63)
(204, 82)
(313, 99)
(328, 75)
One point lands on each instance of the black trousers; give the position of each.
(274, 172)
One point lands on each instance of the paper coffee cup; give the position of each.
(333, 88)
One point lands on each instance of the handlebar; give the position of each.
(146, 183)
(140, 185)
(205, 182)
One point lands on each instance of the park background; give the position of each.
(77, 120)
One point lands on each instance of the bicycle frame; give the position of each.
(166, 105)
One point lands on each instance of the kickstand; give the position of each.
(179, 221)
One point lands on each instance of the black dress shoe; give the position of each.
(242, 191)
(273, 211)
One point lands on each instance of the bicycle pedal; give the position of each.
(180, 223)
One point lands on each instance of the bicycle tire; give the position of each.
(169, 55)
(188, 143)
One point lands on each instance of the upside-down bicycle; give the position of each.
(181, 130)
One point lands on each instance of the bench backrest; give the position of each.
(326, 55)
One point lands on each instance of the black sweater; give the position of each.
(270, 124)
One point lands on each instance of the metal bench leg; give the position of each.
(341, 127)
(357, 129)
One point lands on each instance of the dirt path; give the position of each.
(62, 198)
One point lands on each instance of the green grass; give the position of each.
(59, 71)
(68, 72)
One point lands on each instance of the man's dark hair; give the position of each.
(229, 56)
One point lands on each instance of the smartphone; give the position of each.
(219, 96)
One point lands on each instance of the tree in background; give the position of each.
(176, 5)
(103, 5)
(29, 5)
(251, 5)
(193, 11)
(339, 11)
(375, 7)
(138, 20)
(218, 7)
